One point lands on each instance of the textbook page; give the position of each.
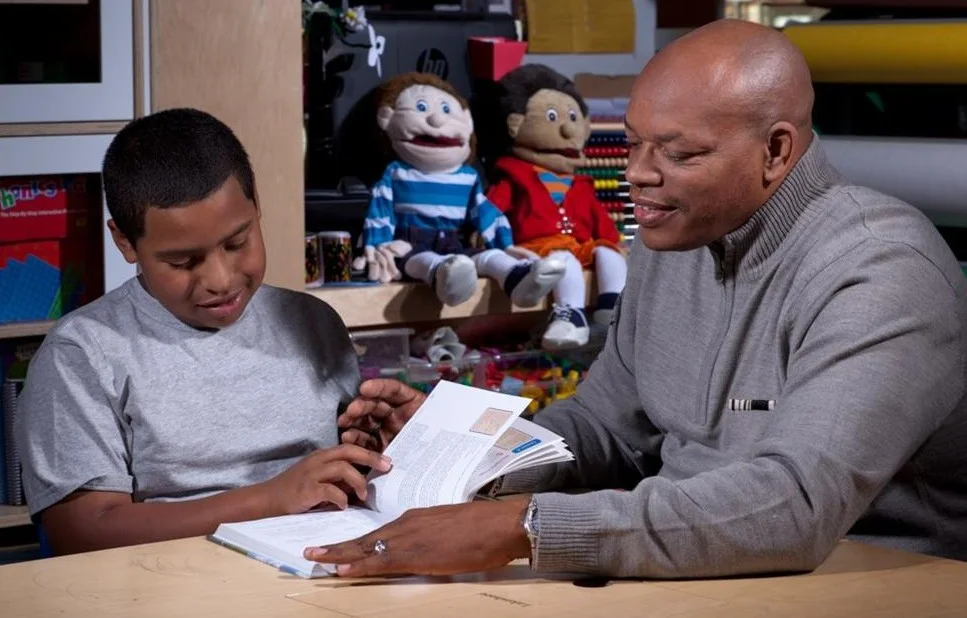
(437, 451)
(523, 445)
(279, 541)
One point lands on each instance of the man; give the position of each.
(787, 364)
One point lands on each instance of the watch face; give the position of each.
(530, 522)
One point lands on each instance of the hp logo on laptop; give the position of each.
(432, 60)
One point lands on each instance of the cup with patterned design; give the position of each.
(313, 261)
(337, 256)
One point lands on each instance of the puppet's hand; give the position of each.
(375, 262)
(521, 253)
(398, 248)
(386, 255)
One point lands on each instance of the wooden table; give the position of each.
(194, 577)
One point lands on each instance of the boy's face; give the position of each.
(202, 261)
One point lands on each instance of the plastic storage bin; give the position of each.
(383, 352)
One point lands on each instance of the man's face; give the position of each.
(695, 169)
(203, 261)
(551, 132)
(429, 128)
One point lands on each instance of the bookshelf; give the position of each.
(13, 516)
(403, 303)
(20, 330)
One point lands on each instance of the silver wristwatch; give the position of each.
(531, 526)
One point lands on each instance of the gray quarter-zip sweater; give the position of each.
(844, 307)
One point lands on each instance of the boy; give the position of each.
(193, 394)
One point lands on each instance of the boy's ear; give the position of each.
(122, 243)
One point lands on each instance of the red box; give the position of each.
(50, 245)
(47, 207)
(493, 57)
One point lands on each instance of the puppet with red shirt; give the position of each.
(552, 210)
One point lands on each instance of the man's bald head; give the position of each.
(738, 67)
(716, 121)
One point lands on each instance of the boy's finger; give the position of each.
(329, 493)
(353, 453)
(392, 392)
(362, 407)
(359, 438)
(344, 473)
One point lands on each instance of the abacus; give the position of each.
(606, 154)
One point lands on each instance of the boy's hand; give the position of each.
(374, 418)
(325, 476)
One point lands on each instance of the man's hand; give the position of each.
(325, 476)
(374, 418)
(443, 540)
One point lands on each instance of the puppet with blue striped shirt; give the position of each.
(429, 203)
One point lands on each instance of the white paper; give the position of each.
(523, 443)
(281, 540)
(440, 447)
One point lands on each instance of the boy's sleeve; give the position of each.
(69, 435)
(489, 221)
(380, 225)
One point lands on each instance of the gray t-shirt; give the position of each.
(122, 396)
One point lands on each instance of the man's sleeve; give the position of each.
(67, 431)
(613, 442)
(876, 365)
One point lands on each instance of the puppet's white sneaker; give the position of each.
(568, 329)
(455, 280)
(538, 282)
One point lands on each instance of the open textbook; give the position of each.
(459, 440)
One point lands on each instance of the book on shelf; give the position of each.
(460, 439)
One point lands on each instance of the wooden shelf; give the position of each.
(44, 1)
(13, 516)
(401, 303)
(59, 128)
(25, 329)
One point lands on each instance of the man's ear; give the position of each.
(383, 116)
(778, 151)
(122, 243)
(514, 123)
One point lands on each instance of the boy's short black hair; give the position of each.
(526, 80)
(170, 158)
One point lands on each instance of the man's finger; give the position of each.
(342, 553)
(375, 565)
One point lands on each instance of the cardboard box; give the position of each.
(592, 86)
(50, 246)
